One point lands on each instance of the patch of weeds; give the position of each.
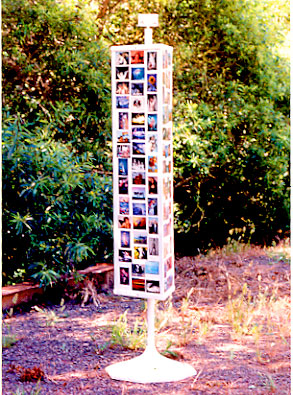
(246, 315)
(193, 322)
(256, 331)
(186, 321)
(129, 336)
(240, 312)
(51, 316)
(9, 339)
(170, 353)
(35, 391)
(269, 383)
(258, 316)
(190, 323)
(277, 312)
(280, 252)
(234, 247)
(123, 335)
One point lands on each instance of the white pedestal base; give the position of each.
(150, 367)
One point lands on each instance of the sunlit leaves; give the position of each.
(70, 204)
(231, 147)
(21, 223)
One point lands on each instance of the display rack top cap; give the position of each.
(148, 20)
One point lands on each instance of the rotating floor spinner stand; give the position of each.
(150, 366)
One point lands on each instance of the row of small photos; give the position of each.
(138, 133)
(140, 206)
(124, 58)
(139, 163)
(137, 100)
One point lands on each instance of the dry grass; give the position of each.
(229, 287)
(241, 288)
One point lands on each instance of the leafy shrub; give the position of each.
(56, 69)
(56, 140)
(227, 189)
(231, 124)
(56, 210)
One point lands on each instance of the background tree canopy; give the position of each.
(231, 125)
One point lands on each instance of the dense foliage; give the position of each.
(231, 128)
(57, 187)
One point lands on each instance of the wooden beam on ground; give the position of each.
(14, 295)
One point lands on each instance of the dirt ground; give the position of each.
(67, 346)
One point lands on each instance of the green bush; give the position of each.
(228, 189)
(231, 134)
(55, 68)
(57, 189)
(56, 207)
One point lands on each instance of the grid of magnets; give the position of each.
(139, 136)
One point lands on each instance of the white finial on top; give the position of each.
(148, 21)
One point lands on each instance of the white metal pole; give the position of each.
(151, 324)
(148, 36)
